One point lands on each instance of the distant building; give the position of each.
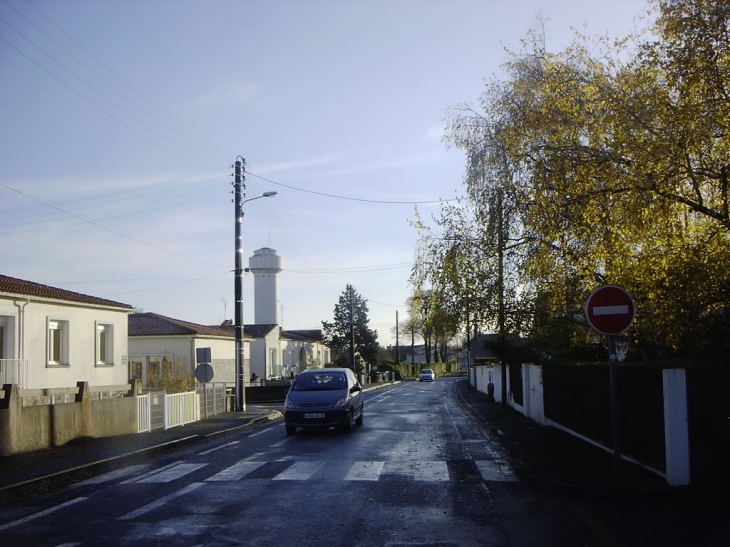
(408, 354)
(157, 342)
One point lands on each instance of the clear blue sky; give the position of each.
(119, 122)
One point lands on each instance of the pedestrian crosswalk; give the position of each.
(303, 470)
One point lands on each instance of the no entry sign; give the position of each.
(610, 310)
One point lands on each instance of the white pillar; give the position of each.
(676, 428)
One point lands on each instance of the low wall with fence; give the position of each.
(652, 408)
(31, 427)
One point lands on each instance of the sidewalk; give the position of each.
(625, 507)
(551, 458)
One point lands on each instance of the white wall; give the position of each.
(29, 333)
(183, 349)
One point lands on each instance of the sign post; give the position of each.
(610, 310)
(204, 372)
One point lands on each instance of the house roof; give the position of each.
(21, 288)
(259, 331)
(153, 324)
(310, 335)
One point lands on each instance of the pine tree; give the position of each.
(350, 324)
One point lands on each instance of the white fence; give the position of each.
(179, 409)
(14, 371)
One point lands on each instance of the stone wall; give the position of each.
(23, 429)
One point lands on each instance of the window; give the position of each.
(104, 344)
(275, 367)
(2, 339)
(58, 342)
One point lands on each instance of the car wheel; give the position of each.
(349, 424)
(359, 418)
(290, 430)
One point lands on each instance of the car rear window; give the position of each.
(320, 381)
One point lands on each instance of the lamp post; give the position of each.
(239, 186)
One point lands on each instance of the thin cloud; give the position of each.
(240, 93)
(294, 164)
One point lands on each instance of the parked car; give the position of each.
(323, 398)
(427, 375)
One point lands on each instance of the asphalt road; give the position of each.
(418, 472)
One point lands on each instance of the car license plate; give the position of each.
(313, 415)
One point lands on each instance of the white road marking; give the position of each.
(300, 471)
(124, 472)
(218, 448)
(260, 432)
(365, 471)
(153, 472)
(160, 502)
(235, 472)
(611, 310)
(281, 442)
(495, 471)
(430, 471)
(173, 473)
(40, 514)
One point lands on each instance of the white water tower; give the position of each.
(265, 265)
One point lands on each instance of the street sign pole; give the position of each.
(613, 379)
(610, 310)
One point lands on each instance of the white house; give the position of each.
(166, 345)
(157, 342)
(54, 338)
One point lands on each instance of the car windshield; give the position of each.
(320, 381)
(426, 371)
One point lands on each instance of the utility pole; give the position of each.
(397, 343)
(239, 189)
(352, 328)
(500, 282)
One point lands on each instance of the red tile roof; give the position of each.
(19, 287)
(153, 324)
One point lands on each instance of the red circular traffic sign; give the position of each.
(610, 310)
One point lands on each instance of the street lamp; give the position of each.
(240, 401)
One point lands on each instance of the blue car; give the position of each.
(324, 398)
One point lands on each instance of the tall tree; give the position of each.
(607, 163)
(349, 334)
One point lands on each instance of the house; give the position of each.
(415, 354)
(54, 338)
(302, 349)
(163, 345)
(158, 343)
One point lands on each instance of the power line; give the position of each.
(85, 98)
(115, 232)
(92, 88)
(348, 198)
(357, 269)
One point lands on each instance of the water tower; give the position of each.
(265, 265)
